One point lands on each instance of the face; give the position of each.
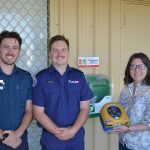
(9, 51)
(59, 53)
(138, 70)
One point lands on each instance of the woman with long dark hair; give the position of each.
(135, 98)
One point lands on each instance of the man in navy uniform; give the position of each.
(15, 95)
(61, 99)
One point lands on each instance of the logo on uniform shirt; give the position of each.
(74, 82)
(51, 81)
(2, 84)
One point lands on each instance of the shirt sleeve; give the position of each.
(121, 97)
(38, 94)
(146, 118)
(86, 92)
(124, 98)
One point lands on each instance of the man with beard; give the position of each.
(15, 95)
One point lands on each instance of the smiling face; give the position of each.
(59, 53)
(9, 51)
(138, 70)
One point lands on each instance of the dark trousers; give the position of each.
(123, 147)
(50, 142)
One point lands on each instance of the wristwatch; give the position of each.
(3, 137)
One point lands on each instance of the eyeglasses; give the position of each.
(140, 67)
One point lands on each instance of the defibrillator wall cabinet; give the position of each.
(101, 89)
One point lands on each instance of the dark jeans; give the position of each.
(123, 147)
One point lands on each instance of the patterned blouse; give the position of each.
(137, 106)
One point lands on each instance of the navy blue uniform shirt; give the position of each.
(15, 89)
(60, 95)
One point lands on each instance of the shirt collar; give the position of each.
(52, 68)
(14, 70)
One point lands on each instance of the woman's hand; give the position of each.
(120, 129)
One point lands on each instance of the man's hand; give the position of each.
(1, 134)
(12, 140)
(65, 134)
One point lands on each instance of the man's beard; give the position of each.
(7, 62)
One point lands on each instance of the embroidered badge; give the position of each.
(51, 82)
(71, 81)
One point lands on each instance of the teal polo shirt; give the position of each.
(15, 90)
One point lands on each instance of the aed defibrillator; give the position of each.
(113, 114)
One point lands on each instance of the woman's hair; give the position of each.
(128, 79)
(7, 34)
(58, 38)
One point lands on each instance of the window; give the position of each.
(29, 18)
